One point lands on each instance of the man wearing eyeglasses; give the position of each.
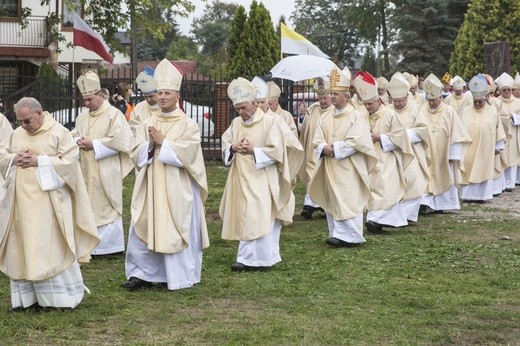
(483, 124)
(46, 223)
(445, 150)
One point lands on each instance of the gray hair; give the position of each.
(28, 102)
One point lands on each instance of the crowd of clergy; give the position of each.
(372, 154)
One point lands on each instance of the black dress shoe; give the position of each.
(108, 256)
(508, 190)
(339, 243)
(374, 227)
(241, 267)
(134, 283)
(307, 212)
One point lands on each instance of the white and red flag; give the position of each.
(86, 37)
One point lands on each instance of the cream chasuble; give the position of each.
(5, 127)
(445, 128)
(288, 119)
(104, 177)
(500, 159)
(342, 187)
(485, 129)
(140, 113)
(387, 179)
(417, 173)
(307, 132)
(510, 106)
(459, 103)
(43, 232)
(162, 200)
(253, 198)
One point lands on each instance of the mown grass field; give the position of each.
(451, 279)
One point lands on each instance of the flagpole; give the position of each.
(73, 76)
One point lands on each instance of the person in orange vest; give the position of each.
(121, 99)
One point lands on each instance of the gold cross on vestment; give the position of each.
(334, 78)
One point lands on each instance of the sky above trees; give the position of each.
(275, 7)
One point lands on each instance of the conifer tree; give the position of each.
(258, 47)
(235, 47)
(427, 29)
(486, 21)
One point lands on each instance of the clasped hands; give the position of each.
(243, 147)
(155, 135)
(26, 159)
(85, 143)
(328, 150)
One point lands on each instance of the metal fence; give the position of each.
(204, 100)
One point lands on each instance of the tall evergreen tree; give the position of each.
(486, 21)
(427, 29)
(235, 46)
(259, 46)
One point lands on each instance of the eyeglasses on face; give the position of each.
(24, 122)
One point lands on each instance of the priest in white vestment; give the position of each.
(446, 134)
(5, 127)
(459, 99)
(168, 228)
(5, 130)
(283, 115)
(511, 120)
(105, 139)
(418, 98)
(149, 106)
(345, 156)
(382, 91)
(516, 86)
(46, 223)
(257, 198)
(310, 123)
(415, 123)
(488, 138)
(394, 153)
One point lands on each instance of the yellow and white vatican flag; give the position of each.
(294, 43)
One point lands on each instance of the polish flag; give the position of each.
(86, 37)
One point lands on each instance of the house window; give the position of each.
(68, 13)
(9, 8)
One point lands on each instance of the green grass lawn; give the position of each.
(448, 280)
